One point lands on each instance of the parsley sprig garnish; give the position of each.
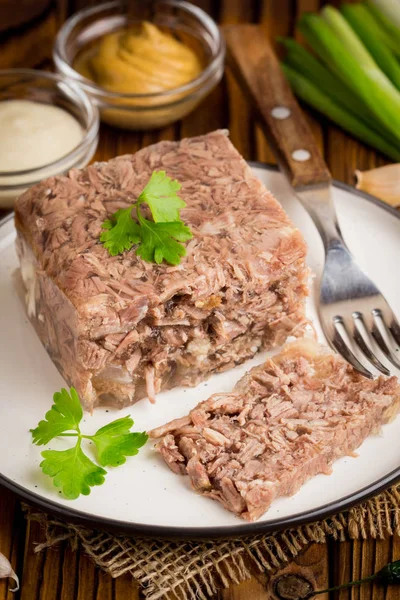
(72, 470)
(158, 240)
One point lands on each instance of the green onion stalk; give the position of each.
(312, 95)
(306, 64)
(390, 34)
(309, 66)
(344, 53)
(370, 33)
(388, 13)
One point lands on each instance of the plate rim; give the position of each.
(227, 531)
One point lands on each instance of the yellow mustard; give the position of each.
(141, 60)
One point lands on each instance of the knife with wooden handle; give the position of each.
(256, 67)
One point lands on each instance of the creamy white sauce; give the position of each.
(34, 134)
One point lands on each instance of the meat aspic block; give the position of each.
(285, 422)
(118, 327)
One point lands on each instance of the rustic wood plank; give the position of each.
(70, 570)
(51, 584)
(342, 567)
(263, 151)
(127, 142)
(61, 573)
(12, 535)
(357, 569)
(209, 115)
(366, 567)
(277, 18)
(345, 155)
(240, 119)
(237, 11)
(308, 571)
(303, 6)
(115, 142)
(392, 592)
(209, 6)
(7, 509)
(104, 586)
(63, 10)
(248, 589)
(382, 556)
(29, 13)
(361, 558)
(31, 46)
(152, 137)
(75, 5)
(126, 589)
(88, 577)
(240, 114)
(32, 576)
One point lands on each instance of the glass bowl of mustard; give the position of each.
(145, 63)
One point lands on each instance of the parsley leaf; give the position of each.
(160, 241)
(160, 194)
(114, 442)
(72, 471)
(65, 415)
(121, 232)
(157, 240)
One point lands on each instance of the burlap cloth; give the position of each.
(197, 570)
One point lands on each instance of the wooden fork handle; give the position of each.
(255, 65)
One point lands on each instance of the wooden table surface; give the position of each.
(60, 574)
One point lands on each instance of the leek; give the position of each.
(369, 32)
(322, 102)
(306, 64)
(355, 66)
(390, 34)
(389, 9)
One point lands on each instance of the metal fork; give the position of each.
(356, 319)
(353, 312)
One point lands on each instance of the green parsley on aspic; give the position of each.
(73, 470)
(157, 240)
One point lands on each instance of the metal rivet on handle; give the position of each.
(280, 112)
(301, 155)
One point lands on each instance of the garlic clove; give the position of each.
(382, 182)
(7, 571)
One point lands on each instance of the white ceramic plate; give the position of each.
(144, 496)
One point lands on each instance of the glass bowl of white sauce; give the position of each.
(48, 126)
